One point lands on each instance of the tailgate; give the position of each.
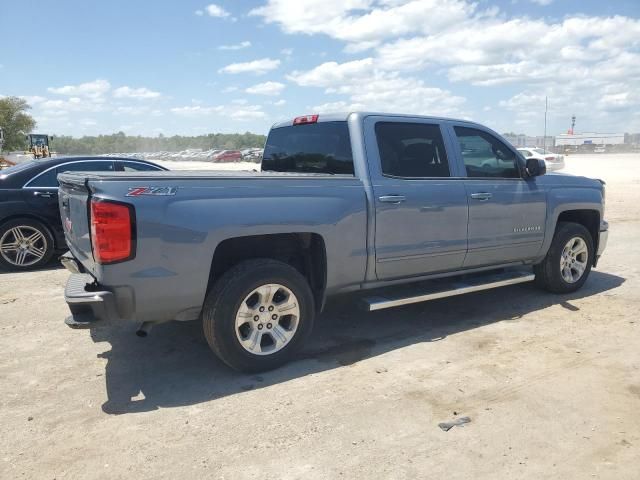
(74, 209)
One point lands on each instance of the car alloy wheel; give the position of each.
(23, 246)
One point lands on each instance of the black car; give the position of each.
(30, 225)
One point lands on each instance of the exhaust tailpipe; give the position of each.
(144, 329)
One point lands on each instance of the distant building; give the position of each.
(529, 141)
(632, 138)
(577, 139)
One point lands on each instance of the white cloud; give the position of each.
(266, 88)
(32, 99)
(131, 110)
(257, 67)
(332, 73)
(332, 107)
(591, 62)
(359, 21)
(543, 3)
(138, 93)
(248, 112)
(279, 103)
(217, 11)
(199, 13)
(369, 88)
(196, 110)
(94, 89)
(236, 111)
(237, 46)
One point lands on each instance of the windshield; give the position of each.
(539, 150)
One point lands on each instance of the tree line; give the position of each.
(16, 123)
(119, 142)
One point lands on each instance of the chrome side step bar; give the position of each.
(443, 288)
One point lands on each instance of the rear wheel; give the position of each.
(25, 244)
(568, 261)
(258, 314)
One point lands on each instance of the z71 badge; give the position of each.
(157, 191)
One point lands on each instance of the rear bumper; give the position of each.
(87, 302)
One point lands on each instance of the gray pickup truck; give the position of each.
(377, 203)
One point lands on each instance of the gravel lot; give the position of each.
(551, 384)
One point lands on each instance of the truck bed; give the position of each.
(178, 231)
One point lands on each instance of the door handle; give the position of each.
(392, 198)
(482, 196)
(43, 194)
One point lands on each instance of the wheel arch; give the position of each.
(588, 218)
(305, 251)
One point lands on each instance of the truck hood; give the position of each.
(557, 179)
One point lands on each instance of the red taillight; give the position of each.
(111, 231)
(305, 119)
(550, 159)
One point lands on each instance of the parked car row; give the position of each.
(198, 155)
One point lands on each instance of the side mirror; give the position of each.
(536, 167)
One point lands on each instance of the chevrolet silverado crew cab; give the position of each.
(354, 202)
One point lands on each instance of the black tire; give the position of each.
(8, 259)
(227, 296)
(548, 272)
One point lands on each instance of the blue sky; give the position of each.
(193, 67)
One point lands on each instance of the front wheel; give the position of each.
(568, 261)
(258, 314)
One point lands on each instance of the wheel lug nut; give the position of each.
(269, 325)
(260, 327)
(256, 318)
(274, 317)
(271, 308)
(261, 309)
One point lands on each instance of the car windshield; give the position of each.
(539, 150)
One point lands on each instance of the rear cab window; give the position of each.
(323, 147)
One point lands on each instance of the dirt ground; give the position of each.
(551, 384)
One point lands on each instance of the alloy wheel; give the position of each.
(23, 246)
(574, 258)
(267, 319)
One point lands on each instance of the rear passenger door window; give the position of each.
(92, 166)
(138, 167)
(45, 180)
(411, 150)
(485, 156)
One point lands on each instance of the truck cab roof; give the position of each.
(344, 116)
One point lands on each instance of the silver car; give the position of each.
(554, 161)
